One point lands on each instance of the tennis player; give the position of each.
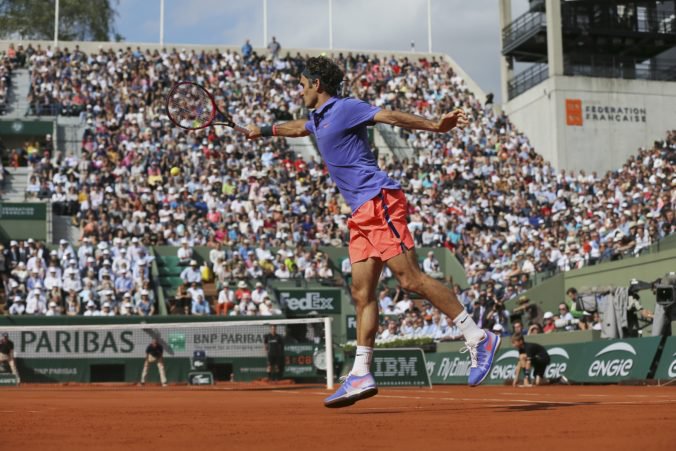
(379, 234)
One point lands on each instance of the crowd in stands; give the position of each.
(484, 192)
(102, 279)
(96, 279)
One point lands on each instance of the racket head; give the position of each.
(190, 106)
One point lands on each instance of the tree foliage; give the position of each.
(79, 20)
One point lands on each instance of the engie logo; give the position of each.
(557, 368)
(672, 367)
(505, 370)
(609, 367)
(311, 301)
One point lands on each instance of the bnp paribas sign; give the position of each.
(234, 341)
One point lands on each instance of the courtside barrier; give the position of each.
(603, 361)
(400, 367)
(667, 367)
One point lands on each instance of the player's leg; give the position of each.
(395, 244)
(360, 384)
(163, 374)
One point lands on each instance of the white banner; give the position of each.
(71, 342)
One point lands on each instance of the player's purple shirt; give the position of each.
(340, 129)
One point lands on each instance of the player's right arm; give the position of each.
(291, 129)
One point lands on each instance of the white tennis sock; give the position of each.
(469, 328)
(362, 361)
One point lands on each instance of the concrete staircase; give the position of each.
(62, 228)
(69, 133)
(384, 150)
(17, 101)
(304, 148)
(15, 185)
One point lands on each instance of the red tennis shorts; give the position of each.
(379, 229)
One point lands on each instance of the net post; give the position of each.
(328, 339)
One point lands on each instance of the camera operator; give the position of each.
(497, 315)
(665, 309)
(565, 320)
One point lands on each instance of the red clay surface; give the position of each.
(292, 417)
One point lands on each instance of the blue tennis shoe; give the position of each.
(481, 355)
(353, 389)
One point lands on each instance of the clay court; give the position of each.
(291, 417)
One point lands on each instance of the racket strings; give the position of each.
(190, 106)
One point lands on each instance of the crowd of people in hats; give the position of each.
(483, 192)
(97, 279)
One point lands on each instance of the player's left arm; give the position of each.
(448, 121)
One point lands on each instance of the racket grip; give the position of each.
(240, 129)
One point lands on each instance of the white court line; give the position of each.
(511, 401)
(520, 394)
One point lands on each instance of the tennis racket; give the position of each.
(192, 107)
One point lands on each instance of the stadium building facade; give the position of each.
(601, 79)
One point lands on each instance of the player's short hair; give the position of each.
(329, 74)
(517, 337)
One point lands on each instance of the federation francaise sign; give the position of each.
(579, 112)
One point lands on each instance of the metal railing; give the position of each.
(586, 18)
(522, 28)
(607, 66)
(400, 148)
(532, 76)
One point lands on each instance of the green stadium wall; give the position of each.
(20, 221)
(552, 291)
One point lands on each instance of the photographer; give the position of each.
(497, 315)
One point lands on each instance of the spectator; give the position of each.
(549, 324)
(182, 301)
(185, 252)
(566, 317)
(18, 307)
(199, 306)
(145, 307)
(247, 50)
(274, 48)
(226, 300)
(431, 266)
(191, 274)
